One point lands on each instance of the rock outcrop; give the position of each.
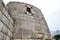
(22, 21)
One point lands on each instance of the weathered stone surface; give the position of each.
(4, 29)
(4, 37)
(17, 39)
(21, 25)
(37, 39)
(37, 36)
(46, 36)
(1, 25)
(21, 21)
(23, 39)
(16, 36)
(10, 34)
(6, 22)
(5, 12)
(1, 7)
(27, 39)
(26, 36)
(1, 36)
(10, 27)
(7, 38)
(27, 25)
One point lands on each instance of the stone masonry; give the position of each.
(6, 23)
(22, 21)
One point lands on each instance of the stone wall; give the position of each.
(29, 22)
(6, 23)
(22, 21)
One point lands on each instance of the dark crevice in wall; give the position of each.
(9, 14)
(6, 10)
(3, 4)
(4, 34)
(28, 10)
(4, 15)
(13, 29)
(5, 25)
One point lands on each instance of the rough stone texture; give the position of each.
(6, 23)
(21, 21)
(7, 38)
(28, 26)
(1, 36)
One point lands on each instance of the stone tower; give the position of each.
(25, 22)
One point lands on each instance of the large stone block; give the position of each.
(15, 7)
(26, 36)
(24, 16)
(38, 28)
(26, 39)
(1, 36)
(0, 14)
(6, 22)
(37, 36)
(17, 36)
(10, 26)
(1, 25)
(46, 36)
(5, 29)
(7, 38)
(5, 12)
(37, 39)
(4, 37)
(3, 18)
(10, 34)
(25, 23)
(17, 39)
(1, 6)
(23, 39)
(22, 24)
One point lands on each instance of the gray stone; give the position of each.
(10, 34)
(37, 36)
(26, 23)
(7, 15)
(22, 21)
(6, 22)
(4, 37)
(5, 29)
(26, 36)
(7, 38)
(1, 25)
(1, 36)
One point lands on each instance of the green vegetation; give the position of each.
(57, 37)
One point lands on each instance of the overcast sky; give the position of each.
(50, 10)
